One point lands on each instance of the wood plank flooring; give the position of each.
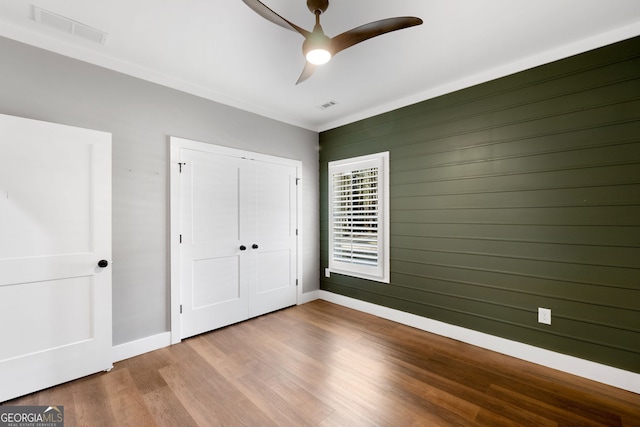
(320, 364)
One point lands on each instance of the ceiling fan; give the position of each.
(317, 47)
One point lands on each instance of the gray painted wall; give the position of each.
(45, 86)
(518, 193)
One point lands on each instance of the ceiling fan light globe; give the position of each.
(318, 56)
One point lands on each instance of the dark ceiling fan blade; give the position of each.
(264, 11)
(370, 30)
(308, 70)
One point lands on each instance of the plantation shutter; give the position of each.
(358, 219)
(355, 216)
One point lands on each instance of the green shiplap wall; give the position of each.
(519, 193)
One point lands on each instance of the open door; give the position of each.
(55, 254)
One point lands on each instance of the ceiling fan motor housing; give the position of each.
(317, 40)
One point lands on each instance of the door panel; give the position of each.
(273, 271)
(215, 187)
(212, 292)
(55, 223)
(275, 204)
(275, 221)
(215, 281)
(44, 213)
(31, 305)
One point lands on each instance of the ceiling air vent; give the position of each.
(62, 23)
(327, 104)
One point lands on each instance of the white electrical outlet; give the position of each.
(544, 315)
(327, 273)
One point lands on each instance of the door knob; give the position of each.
(254, 246)
(103, 263)
(243, 248)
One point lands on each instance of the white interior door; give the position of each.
(238, 250)
(55, 227)
(214, 290)
(273, 227)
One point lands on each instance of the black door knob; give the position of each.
(243, 248)
(254, 246)
(103, 263)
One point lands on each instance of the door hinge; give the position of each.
(296, 282)
(296, 231)
(181, 238)
(180, 308)
(181, 163)
(297, 181)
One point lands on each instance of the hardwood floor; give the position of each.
(321, 364)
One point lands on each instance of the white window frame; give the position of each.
(380, 271)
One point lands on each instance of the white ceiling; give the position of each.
(223, 51)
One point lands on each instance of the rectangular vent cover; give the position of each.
(62, 23)
(328, 104)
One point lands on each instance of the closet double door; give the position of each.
(238, 234)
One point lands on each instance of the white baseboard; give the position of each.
(308, 297)
(141, 346)
(583, 368)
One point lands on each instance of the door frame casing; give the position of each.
(175, 145)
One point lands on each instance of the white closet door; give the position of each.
(213, 273)
(273, 225)
(55, 227)
(239, 245)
